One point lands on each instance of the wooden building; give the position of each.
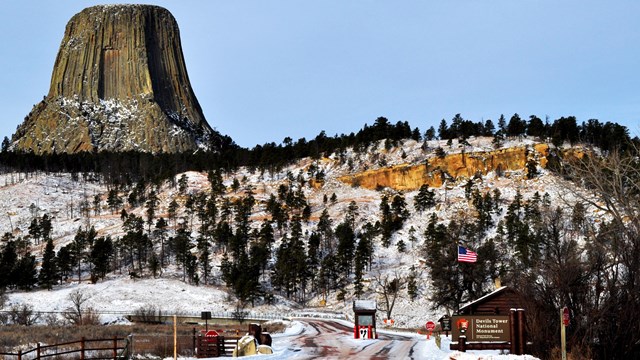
(498, 302)
(504, 311)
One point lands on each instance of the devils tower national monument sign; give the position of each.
(119, 83)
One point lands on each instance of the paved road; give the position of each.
(327, 339)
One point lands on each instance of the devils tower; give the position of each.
(119, 83)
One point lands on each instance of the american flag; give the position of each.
(466, 255)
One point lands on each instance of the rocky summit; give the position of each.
(119, 83)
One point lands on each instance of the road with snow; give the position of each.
(332, 339)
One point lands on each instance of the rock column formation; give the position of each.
(119, 83)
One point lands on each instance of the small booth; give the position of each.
(364, 313)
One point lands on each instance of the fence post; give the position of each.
(130, 349)
(82, 348)
(194, 340)
(19, 354)
(115, 347)
(38, 352)
(462, 343)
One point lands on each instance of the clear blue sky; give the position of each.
(264, 70)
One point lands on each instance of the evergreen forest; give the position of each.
(292, 247)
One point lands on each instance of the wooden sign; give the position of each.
(481, 328)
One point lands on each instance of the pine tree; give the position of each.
(172, 210)
(346, 247)
(113, 200)
(412, 236)
(25, 273)
(430, 134)
(82, 240)
(8, 261)
(192, 269)
(489, 128)
(328, 277)
(35, 230)
(502, 125)
(352, 213)
(517, 126)
(215, 180)
(152, 205)
(136, 242)
(204, 249)
(386, 220)
(443, 130)
(412, 283)
(45, 227)
(154, 265)
(49, 270)
(100, 257)
(402, 247)
(65, 260)
(399, 212)
(161, 233)
(325, 231)
(182, 248)
(96, 204)
(424, 199)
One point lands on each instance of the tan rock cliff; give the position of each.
(119, 83)
(460, 165)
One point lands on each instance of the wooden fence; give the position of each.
(84, 349)
(216, 347)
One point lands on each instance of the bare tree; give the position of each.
(389, 288)
(611, 253)
(615, 179)
(23, 315)
(78, 313)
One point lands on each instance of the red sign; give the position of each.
(565, 316)
(211, 333)
(431, 325)
(463, 324)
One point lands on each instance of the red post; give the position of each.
(355, 332)
(370, 333)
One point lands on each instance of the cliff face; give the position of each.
(119, 83)
(462, 165)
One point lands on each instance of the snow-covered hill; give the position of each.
(69, 200)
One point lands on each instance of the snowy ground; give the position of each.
(424, 350)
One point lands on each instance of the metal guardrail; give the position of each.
(232, 315)
(248, 315)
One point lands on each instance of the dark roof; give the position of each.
(499, 301)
